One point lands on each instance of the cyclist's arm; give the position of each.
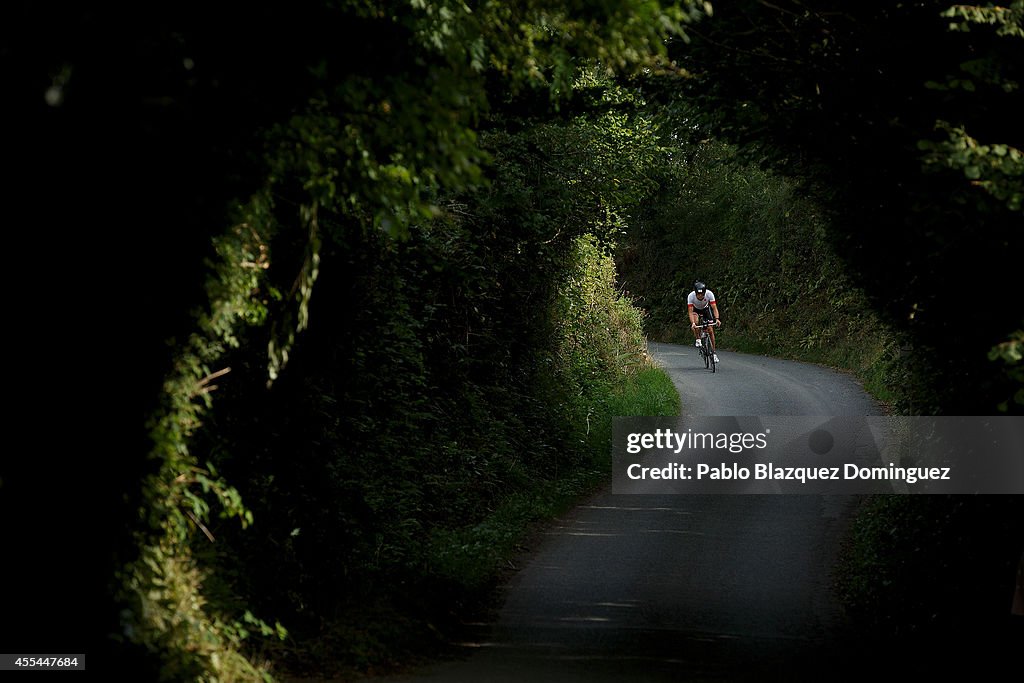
(691, 315)
(714, 309)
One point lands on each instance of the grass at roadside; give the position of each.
(867, 359)
(474, 556)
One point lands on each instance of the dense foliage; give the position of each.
(760, 244)
(926, 573)
(905, 119)
(389, 208)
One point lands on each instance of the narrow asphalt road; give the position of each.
(682, 588)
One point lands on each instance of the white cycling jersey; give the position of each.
(693, 302)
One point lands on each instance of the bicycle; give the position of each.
(707, 346)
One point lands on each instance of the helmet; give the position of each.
(699, 287)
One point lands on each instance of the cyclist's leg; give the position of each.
(708, 317)
(695, 330)
(711, 333)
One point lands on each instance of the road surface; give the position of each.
(682, 588)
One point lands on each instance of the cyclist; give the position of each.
(701, 306)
